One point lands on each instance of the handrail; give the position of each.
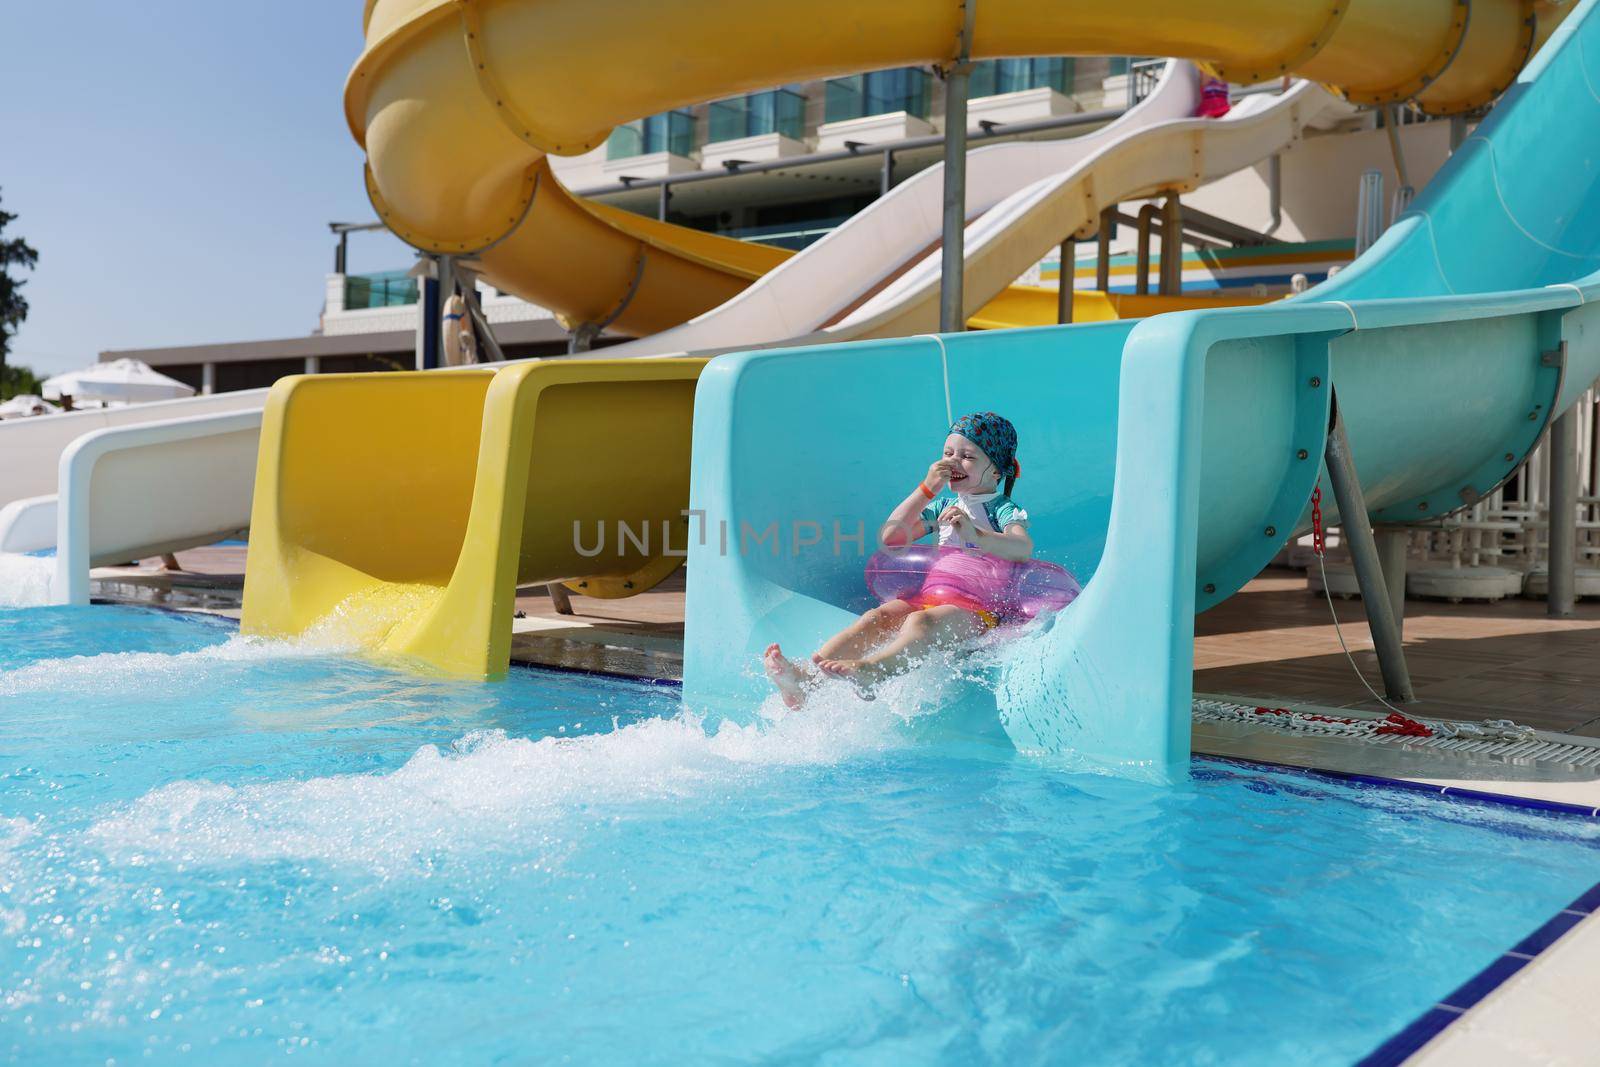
(991, 131)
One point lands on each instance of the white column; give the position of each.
(333, 300)
(208, 378)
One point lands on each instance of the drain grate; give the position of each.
(1499, 739)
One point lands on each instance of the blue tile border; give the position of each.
(1449, 792)
(1483, 983)
(1427, 1026)
(1549, 933)
(1433, 1022)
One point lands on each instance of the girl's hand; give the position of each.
(959, 521)
(938, 475)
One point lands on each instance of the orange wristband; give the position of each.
(923, 486)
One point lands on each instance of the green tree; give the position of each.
(14, 252)
(15, 380)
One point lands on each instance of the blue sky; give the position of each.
(176, 165)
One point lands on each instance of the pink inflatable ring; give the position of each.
(928, 574)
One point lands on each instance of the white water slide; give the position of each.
(877, 275)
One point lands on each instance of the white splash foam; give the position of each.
(25, 580)
(13, 832)
(488, 790)
(114, 672)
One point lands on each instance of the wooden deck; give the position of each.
(1272, 642)
(1276, 641)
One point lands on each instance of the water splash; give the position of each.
(365, 620)
(359, 623)
(25, 580)
(490, 791)
(118, 672)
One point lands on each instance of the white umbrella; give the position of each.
(24, 404)
(127, 380)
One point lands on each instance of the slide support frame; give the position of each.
(1363, 547)
(1563, 514)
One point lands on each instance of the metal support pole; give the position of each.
(340, 254)
(582, 338)
(1274, 194)
(559, 598)
(886, 175)
(1357, 528)
(1171, 246)
(313, 364)
(429, 307)
(1102, 260)
(208, 379)
(663, 198)
(953, 249)
(445, 271)
(1391, 123)
(1392, 542)
(1563, 514)
(1458, 131)
(1141, 270)
(1066, 279)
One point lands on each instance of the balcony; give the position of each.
(651, 147)
(885, 105)
(1019, 90)
(774, 111)
(996, 76)
(395, 288)
(755, 128)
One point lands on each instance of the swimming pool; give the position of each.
(235, 850)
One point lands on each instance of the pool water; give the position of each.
(239, 851)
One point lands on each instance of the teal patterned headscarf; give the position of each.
(996, 437)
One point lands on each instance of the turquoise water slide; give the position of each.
(1166, 461)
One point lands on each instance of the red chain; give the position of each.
(1392, 724)
(1316, 519)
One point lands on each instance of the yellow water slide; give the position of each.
(459, 102)
(415, 504)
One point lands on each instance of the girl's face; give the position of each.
(973, 472)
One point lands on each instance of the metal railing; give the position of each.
(1142, 77)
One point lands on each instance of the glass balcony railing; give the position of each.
(792, 235)
(774, 111)
(995, 76)
(670, 131)
(881, 92)
(384, 290)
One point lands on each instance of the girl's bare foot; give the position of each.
(785, 676)
(857, 672)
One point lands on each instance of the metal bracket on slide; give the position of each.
(1554, 357)
(962, 64)
(585, 333)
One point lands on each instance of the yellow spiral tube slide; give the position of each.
(458, 102)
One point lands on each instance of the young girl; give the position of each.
(979, 453)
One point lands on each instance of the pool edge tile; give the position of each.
(1399, 1048)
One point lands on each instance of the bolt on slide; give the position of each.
(1168, 460)
(492, 80)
